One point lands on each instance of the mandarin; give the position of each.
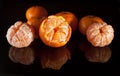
(36, 12)
(55, 31)
(86, 21)
(20, 34)
(100, 34)
(35, 23)
(70, 18)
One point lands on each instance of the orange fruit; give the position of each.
(55, 31)
(20, 35)
(35, 23)
(70, 18)
(100, 34)
(86, 21)
(36, 12)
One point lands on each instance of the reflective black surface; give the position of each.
(74, 58)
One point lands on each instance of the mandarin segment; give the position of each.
(86, 21)
(20, 35)
(70, 18)
(55, 31)
(100, 34)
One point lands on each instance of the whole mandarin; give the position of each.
(35, 23)
(70, 18)
(86, 21)
(36, 12)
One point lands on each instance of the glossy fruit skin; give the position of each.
(36, 12)
(35, 23)
(86, 21)
(70, 18)
(55, 31)
(100, 34)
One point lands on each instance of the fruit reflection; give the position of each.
(54, 58)
(98, 54)
(21, 55)
(95, 54)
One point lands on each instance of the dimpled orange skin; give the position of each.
(20, 35)
(35, 23)
(70, 18)
(55, 31)
(86, 21)
(36, 12)
(100, 34)
(98, 54)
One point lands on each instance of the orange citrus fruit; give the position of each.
(86, 21)
(70, 18)
(100, 34)
(36, 12)
(35, 23)
(55, 31)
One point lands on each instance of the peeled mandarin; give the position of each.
(100, 34)
(55, 31)
(20, 34)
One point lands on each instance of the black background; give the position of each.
(14, 10)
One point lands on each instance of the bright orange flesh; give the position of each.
(55, 31)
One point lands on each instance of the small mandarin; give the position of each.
(70, 18)
(86, 21)
(35, 23)
(100, 34)
(36, 12)
(20, 35)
